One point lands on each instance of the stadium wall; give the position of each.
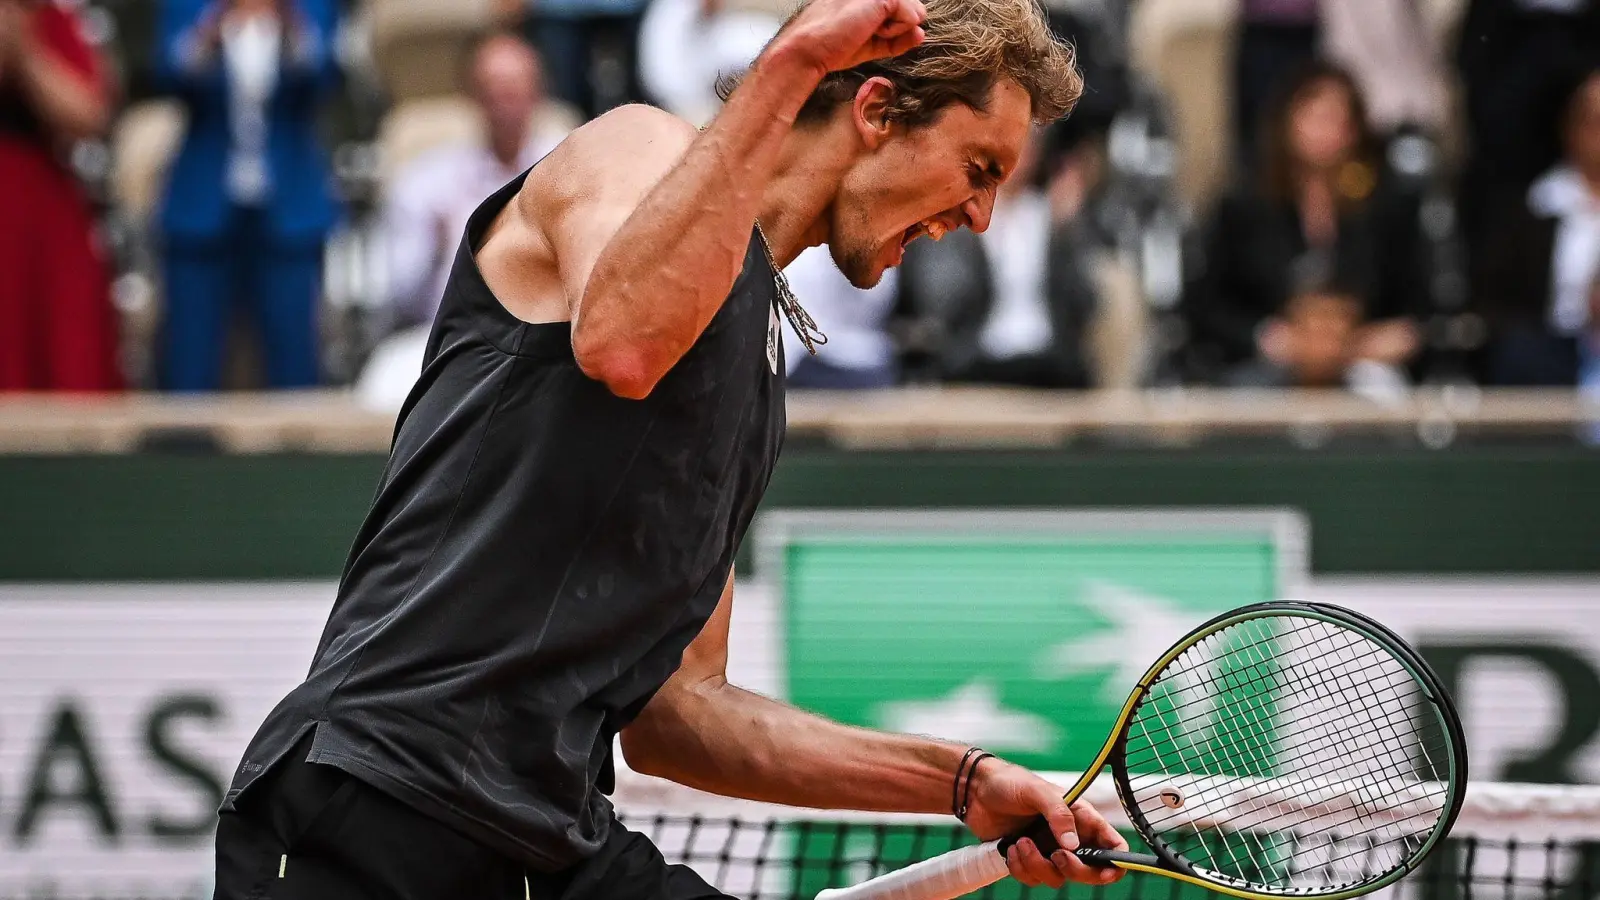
(1489, 510)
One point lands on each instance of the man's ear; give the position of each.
(870, 111)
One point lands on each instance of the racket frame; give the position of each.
(973, 867)
(1163, 861)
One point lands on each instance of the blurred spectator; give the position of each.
(590, 49)
(250, 198)
(686, 45)
(1275, 38)
(1538, 281)
(1389, 48)
(1014, 301)
(430, 199)
(859, 352)
(57, 326)
(1321, 218)
(1512, 56)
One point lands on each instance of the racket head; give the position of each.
(1290, 749)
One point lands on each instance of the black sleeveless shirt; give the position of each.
(538, 556)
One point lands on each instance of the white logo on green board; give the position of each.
(1025, 645)
(1141, 628)
(1136, 628)
(972, 713)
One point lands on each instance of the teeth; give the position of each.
(936, 231)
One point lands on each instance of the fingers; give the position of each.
(1070, 832)
(1095, 831)
(1063, 824)
(1028, 866)
(881, 48)
(910, 12)
(893, 28)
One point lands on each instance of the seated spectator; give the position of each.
(429, 199)
(1014, 301)
(249, 200)
(1538, 283)
(1321, 211)
(1320, 340)
(859, 352)
(57, 325)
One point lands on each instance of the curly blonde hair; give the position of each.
(969, 46)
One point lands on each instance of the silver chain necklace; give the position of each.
(799, 319)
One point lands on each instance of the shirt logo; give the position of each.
(772, 339)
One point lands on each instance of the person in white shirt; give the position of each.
(859, 352)
(429, 200)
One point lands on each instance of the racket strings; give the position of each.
(1347, 748)
(1204, 703)
(1295, 752)
(1248, 706)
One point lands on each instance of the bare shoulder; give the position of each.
(538, 252)
(621, 153)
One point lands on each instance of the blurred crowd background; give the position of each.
(201, 195)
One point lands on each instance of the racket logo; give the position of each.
(1171, 797)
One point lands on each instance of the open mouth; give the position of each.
(933, 229)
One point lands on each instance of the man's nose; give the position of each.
(978, 211)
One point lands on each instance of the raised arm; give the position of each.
(702, 731)
(646, 265)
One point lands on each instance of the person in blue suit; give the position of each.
(250, 199)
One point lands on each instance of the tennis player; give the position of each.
(548, 562)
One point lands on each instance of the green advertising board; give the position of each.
(1021, 632)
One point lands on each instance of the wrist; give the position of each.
(966, 777)
(788, 63)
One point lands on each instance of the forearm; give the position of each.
(666, 271)
(71, 106)
(726, 740)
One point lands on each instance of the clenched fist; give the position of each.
(830, 35)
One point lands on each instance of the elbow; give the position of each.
(626, 371)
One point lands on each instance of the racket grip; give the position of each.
(943, 877)
(1037, 831)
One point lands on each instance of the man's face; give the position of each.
(506, 82)
(930, 179)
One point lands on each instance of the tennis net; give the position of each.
(1511, 842)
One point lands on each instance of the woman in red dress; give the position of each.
(57, 326)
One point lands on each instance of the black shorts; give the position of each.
(306, 831)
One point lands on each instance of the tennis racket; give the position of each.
(1282, 749)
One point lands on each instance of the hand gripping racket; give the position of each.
(1280, 750)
